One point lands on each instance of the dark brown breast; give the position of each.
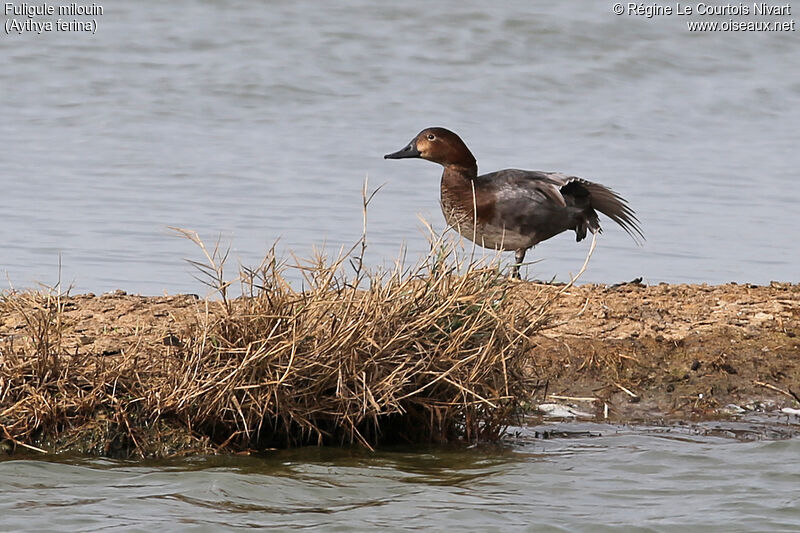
(460, 198)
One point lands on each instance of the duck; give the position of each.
(513, 209)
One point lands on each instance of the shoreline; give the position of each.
(693, 352)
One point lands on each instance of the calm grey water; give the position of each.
(260, 120)
(590, 478)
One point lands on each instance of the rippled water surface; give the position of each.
(260, 121)
(585, 478)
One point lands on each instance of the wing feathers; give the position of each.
(614, 207)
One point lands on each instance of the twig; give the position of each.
(20, 443)
(790, 394)
(626, 391)
(574, 278)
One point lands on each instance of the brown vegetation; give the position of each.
(438, 352)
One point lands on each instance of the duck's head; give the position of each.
(439, 145)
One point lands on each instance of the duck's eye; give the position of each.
(431, 136)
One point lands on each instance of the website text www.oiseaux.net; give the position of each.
(741, 25)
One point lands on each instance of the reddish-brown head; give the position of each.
(439, 145)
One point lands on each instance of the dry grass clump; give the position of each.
(41, 386)
(432, 353)
(55, 398)
(435, 353)
(34, 364)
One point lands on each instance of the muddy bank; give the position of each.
(682, 350)
(674, 351)
(626, 353)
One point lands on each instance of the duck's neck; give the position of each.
(459, 175)
(457, 180)
(457, 191)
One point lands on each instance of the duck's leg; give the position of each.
(519, 257)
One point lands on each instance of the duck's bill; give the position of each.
(408, 151)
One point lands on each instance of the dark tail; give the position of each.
(614, 207)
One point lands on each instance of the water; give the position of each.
(588, 478)
(260, 120)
